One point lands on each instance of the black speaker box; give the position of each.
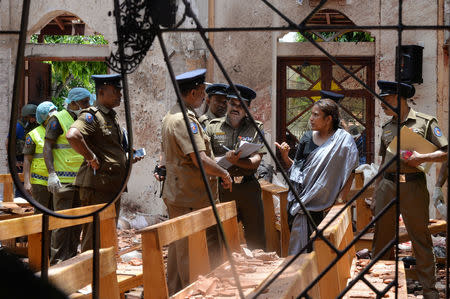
(411, 58)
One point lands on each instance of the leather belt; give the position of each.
(404, 177)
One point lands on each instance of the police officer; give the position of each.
(217, 102)
(184, 189)
(226, 134)
(34, 171)
(97, 136)
(24, 125)
(413, 186)
(63, 164)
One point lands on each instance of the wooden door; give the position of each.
(298, 87)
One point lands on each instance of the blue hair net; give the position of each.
(43, 110)
(79, 93)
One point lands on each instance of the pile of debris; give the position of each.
(379, 275)
(252, 267)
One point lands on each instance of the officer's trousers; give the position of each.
(414, 201)
(250, 210)
(65, 241)
(42, 196)
(90, 196)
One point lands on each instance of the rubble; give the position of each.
(252, 267)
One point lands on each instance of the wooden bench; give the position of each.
(277, 231)
(340, 234)
(31, 226)
(193, 226)
(8, 186)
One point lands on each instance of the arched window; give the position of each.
(330, 17)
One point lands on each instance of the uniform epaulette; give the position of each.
(215, 120)
(424, 116)
(90, 109)
(202, 118)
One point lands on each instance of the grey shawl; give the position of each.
(320, 180)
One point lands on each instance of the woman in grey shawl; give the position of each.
(323, 163)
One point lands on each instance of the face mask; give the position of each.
(78, 111)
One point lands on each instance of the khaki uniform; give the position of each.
(246, 190)
(414, 200)
(206, 118)
(64, 241)
(184, 189)
(101, 131)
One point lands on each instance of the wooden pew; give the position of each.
(193, 226)
(8, 186)
(277, 232)
(31, 226)
(340, 234)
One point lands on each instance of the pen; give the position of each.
(226, 147)
(94, 172)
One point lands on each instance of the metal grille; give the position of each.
(128, 64)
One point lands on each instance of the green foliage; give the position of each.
(352, 36)
(69, 74)
(71, 39)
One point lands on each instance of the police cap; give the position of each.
(114, 80)
(217, 88)
(28, 110)
(247, 94)
(325, 94)
(191, 80)
(388, 87)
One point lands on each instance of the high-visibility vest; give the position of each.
(39, 173)
(67, 161)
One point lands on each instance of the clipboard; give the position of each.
(413, 142)
(246, 149)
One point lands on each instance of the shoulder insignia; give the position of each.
(437, 132)
(29, 140)
(260, 138)
(53, 125)
(89, 118)
(194, 128)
